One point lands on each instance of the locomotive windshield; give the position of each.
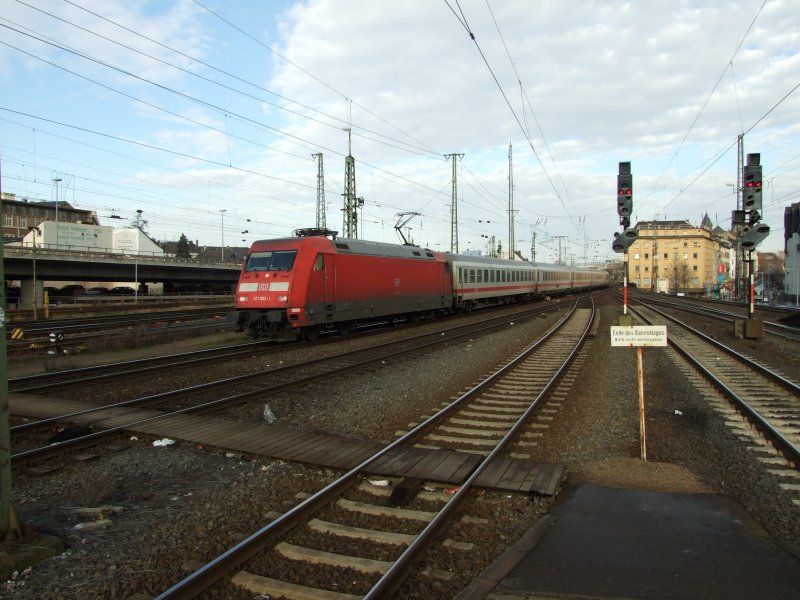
(280, 260)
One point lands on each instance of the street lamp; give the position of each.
(56, 180)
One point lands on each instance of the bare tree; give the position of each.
(681, 276)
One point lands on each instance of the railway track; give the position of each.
(55, 381)
(732, 313)
(373, 540)
(759, 404)
(232, 391)
(80, 332)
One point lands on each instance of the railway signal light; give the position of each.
(752, 183)
(622, 241)
(753, 235)
(56, 337)
(625, 193)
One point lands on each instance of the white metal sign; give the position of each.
(639, 335)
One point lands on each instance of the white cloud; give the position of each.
(596, 83)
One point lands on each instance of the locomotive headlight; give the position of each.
(242, 298)
(282, 298)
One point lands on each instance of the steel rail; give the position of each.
(766, 371)
(213, 571)
(435, 338)
(781, 442)
(390, 582)
(82, 375)
(778, 329)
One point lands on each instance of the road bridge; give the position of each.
(34, 266)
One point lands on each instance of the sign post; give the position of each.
(640, 336)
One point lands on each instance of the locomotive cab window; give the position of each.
(318, 263)
(280, 260)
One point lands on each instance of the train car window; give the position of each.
(281, 260)
(472, 275)
(480, 276)
(258, 261)
(318, 263)
(460, 274)
(486, 275)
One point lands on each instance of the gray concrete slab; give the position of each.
(602, 542)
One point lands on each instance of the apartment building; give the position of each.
(675, 256)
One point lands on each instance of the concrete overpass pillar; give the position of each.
(26, 293)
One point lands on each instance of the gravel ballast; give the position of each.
(183, 503)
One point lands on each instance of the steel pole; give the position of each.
(10, 530)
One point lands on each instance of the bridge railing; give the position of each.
(109, 253)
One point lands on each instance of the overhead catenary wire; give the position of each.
(218, 163)
(462, 19)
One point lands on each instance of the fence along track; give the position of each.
(762, 407)
(343, 510)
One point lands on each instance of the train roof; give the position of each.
(359, 247)
(352, 246)
(486, 260)
(504, 262)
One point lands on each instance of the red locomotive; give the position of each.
(297, 287)
(301, 285)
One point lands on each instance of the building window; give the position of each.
(9, 221)
(685, 244)
(636, 268)
(666, 255)
(646, 255)
(694, 268)
(685, 255)
(636, 256)
(23, 222)
(694, 255)
(646, 269)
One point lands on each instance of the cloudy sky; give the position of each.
(186, 108)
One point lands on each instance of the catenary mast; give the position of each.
(454, 206)
(350, 218)
(320, 193)
(511, 245)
